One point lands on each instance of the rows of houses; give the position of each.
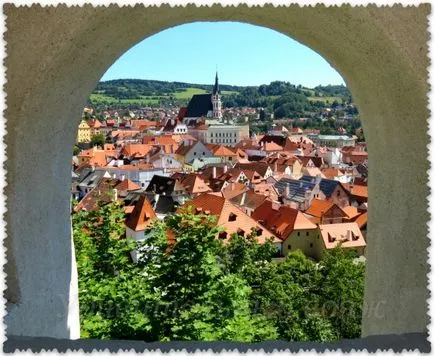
(296, 188)
(302, 196)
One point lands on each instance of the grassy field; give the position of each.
(330, 99)
(185, 95)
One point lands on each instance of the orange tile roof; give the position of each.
(142, 215)
(351, 211)
(282, 221)
(272, 146)
(362, 220)
(356, 190)
(319, 207)
(348, 234)
(221, 151)
(194, 184)
(136, 150)
(231, 218)
(127, 185)
(102, 192)
(233, 189)
(330, 173)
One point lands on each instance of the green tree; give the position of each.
(75, 150)
(112, 291)
(341, 292)
(98, 140)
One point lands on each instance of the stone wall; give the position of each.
(56, 55)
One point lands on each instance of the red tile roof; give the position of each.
(282, 221)
(231, 218)
(142, 215)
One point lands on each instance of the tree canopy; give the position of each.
(189, 285)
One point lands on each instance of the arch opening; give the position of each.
(370, 106)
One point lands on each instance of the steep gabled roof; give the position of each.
(141, 216)
(199, 105)
(232, 219)
(282, 221)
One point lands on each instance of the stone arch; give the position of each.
(56, 55)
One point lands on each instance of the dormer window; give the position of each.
(259, 232)
(240, 232)
(232, 217)
(223, 235)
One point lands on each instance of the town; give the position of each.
(299, 187)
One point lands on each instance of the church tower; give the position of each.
(216, 100)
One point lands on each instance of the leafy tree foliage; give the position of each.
(189, 285)
(98, 140)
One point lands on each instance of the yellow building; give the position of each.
(84, 132)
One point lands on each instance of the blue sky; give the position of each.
(244, 55)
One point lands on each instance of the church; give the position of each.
(204, 119)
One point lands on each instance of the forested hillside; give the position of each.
(281, 98)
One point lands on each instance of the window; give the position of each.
(212, 140)
(289, 247)
(240, 232)
(194, 153)
(307, 233)
(259, 232)
(232, 217)
(338, 193)
(298, 233)
(223, 235)
(311, 245)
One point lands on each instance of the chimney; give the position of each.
(115, 194)
(287, 190)
(301, 184)
(214, 172)
(225, 168)
(122, 177)
(317, 179)
(348, 237)
(275, 167)
(155, 188)
(307, 193)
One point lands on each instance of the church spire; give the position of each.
(216, 89)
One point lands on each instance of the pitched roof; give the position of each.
(103, 191)
(141, 216)
(327, 186)
(319, 207)
(348, 234)
(330, 173)
(356, 190)
(362, 220)
(283, 220)
(220, 150)
(249, 199)
(297, 188)
(199, 105)
(127, 185)
(161, 184)
(194, 184)
(136, 150)
(351, 211)
(272, 146)
(233, 189)
(232, 219)
(260, 167)
(317, 161)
